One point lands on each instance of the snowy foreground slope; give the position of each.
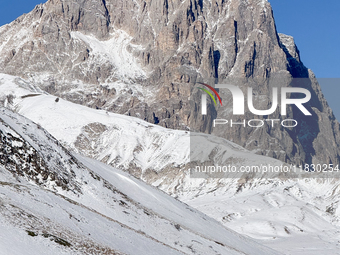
(292, 216)
(55, 203)
(123, 141)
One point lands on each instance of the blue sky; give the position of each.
(315, 26)
(10, 10)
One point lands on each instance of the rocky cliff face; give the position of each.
(142, 58)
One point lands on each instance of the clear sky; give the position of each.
(12, 9)
(315, 26)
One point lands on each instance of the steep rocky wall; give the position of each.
(143, 58)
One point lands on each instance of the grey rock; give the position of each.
(169, 46)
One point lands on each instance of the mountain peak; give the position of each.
(142, 58)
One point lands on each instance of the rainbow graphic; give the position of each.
(208, 92)
(204, 97)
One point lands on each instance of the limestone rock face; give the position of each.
(143, 58)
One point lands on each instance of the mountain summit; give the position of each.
(137, 64)
(142, 58)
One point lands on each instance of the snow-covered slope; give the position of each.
(114, 51)
(293, 216)
(119, 140)
(280, 213)
(97, 209)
